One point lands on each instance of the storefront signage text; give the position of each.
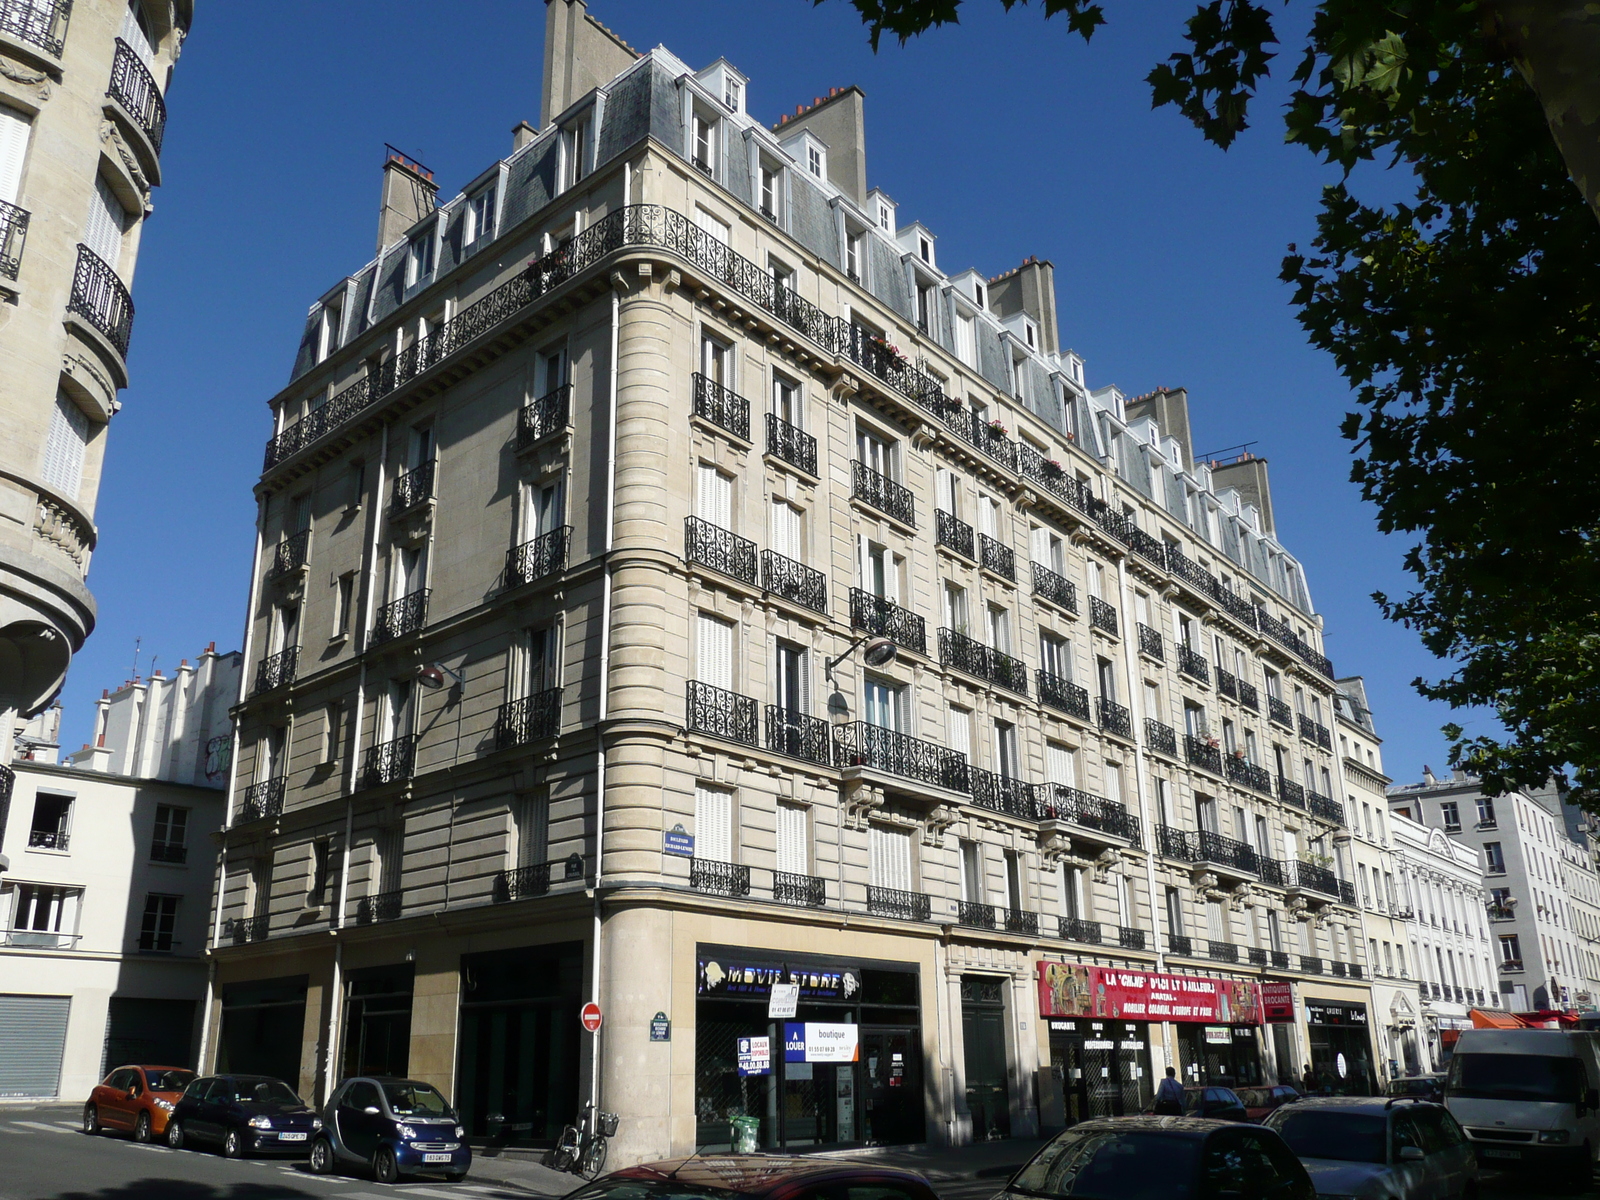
(1218, 1035)
(1277, 1003)
(813, 1042)
(723, 977)
(783, 1001)
(1330, 1013)
(755, 1056)
(1075, 990)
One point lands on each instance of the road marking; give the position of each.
(68, 1124)
(422, 1191)
(40, 1125)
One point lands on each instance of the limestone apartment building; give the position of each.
(593, 510)
(82, 117)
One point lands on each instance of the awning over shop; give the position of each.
(1488, 1018)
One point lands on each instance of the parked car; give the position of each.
(1376, 1149)
(1260, 1102)
(758, 1177)
(1217, 1103)
(1423, 1087)
(243, 1114)
(396, 1127)
(138, 1099)
(1162, 1158)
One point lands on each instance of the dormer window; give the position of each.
(480, 216)
(419, 258)
(575, 139)
(852, 255)
(883, 217)
(705, 143)
(1031, 334)
(730, 94)
(977, 294)
(814, 161)
(328, 331)
(769, 191)
(925, 250)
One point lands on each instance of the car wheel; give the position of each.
(91, 1119)
(321, 1157)
(385, 1167)
(175, 1134)
(141, 1128)
(232, 1144)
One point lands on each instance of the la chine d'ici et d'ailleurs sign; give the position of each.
(1076, 990)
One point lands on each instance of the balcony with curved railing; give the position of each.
(722, 713)
(722, 406)
(384, 906)
(13, 228)
(1076, 929)
(101, 299)
(261, 800)
(1203, 753)
(413, 487)
(1278, 712)
(1291, 793)
(41, 23)
(1249, 697)
(803, 891)
(133, 87)
(722, 550)
(1004, 794)
(243, 930)
(1161, 738)
(1093, 818)
(1247, 774)
(894, 902)
(276, 671)
(289, 555)
(720, 878)
(1193, 664)
(1102, 616)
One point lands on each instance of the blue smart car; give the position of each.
(395, 1127)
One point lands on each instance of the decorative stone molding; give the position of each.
(1108, 860)
(26, 77)
(1054, 847)
(130, 162)
(860, 800)
(937, 823)
(1243, 897)
(59, 527)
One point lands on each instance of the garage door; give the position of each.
(33, 1035)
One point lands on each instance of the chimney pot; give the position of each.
(521, 134)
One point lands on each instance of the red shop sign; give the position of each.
(1075, 990)
(1277, 1002)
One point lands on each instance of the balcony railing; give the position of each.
(1278, 711)
(1347, 892)
(240, 930)
(1280, 959)
(1245, 773)
(1191, 572)
(1193, 664)
(1280, 632)
(1075, 929)
(892, 902)
(1309, 965)
(860, 744)
(1222, 952)
(1002, 793)
(1326, 807)
(1312, 877)
(952, 533)
(723, 878)
(1203, 753)
(1339, 969)
(1020, 920)
(1047, 585)
(805, 891)
(893, 500)
(1291, 792)
(720, 549)
(48, 839)
(521, 883)
(1502, 912)
(261, 800)
(1130, 939)
(959, 651)
(543, 555)
(1150, 642)
(722, 713)
(413, 487)
(798, 735)
(538, 419)
(1249, 697)
(389, 762)
(975, 915)
(1272, 871)
(1063, 694)
(791, 444)
(1163, 739)
(1060, 802)
(722, 406)
(385, 906)
(290, 555)
(1226, 852)
(169, 852)
(42, 23)
(99, 297)
(995, 557)
(1114, 718)
(1102, 616)
(1181, 944)
(884, 618)
(401, 617)
(529, 719)
(1007, 672)
(1227, 684)
(276, 671)
(13, 222)
(133, 87)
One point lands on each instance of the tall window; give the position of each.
(713, 824)
(885, 704)
(852, 255)
(168, 843)
(786, 401)
(792, 678)
(972, 890)
(793, 841)
(1174, 913)
(1055, 655)
(1005, 750)
(541, 660)
(1014, 881)
(107, 222)
(480, 216)
(959, 728)
(1494, 858)
(716, 360)
(332, 731)
(64, 447)
(714, 664)
(44, 916)
(160, 921)
(788, 524)
(716, 497)
(14, 128)
(399, 710)
(51, 828)
(876, 452)
(419, 258)
(769, 191)
(889, 858)
(705, 144)
(344, 604)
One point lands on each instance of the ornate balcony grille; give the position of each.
(99, 297)
(242, 930)
(1192, 664)
(42, 23)
(1278, 711)
(882, 493)
(1180, 944)
(723, 878)
(975, 915)
(859, 744)
(413, 487)
(1175, 843)
(1161, 738)
(385, 906)
(13, 225)
(952, 533)
(1311, 877)
(1249, 697)
(529, 719)
(1310, 966)
(996, 557)
(1191, 572)
(1114, 719)
(544, 555)
(1256, 956)
(795, 582)
(722, 406)
(1239, 609)
(133, 87)
(720, 549)
(1201, 753)
(1326, 807)
(1247, 774)
(1227, 852)
(276, 670)
(804, 891)
(1280, 959)
(1001, 793)
(1150, 643)
(538, 419)
(1146, 547)
(401, 617)
(1280, 632)
(1102, 616)
(261, 800)
(521, 883)
(1222, 951)
(389, 762)
(1291, 792)
(1059, 802)
(891, 902)
(1272, 871)
(884, 618)
(1227, 684)
(1007, 672)
(1020, 920)
(290, 555)
(1130, 939)
(1062, 694)
(722, 713)
(1339, 970)
(1347, 893)
(798, 735)
(1075, 929)
(791, 444)
(1308, 727)
(1047, 585)
(1325, 740)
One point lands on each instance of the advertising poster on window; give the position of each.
(811, 1042)
(1075, 990)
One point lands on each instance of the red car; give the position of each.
(135, 1099)
(757, 1177)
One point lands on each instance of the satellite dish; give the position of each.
(880, 652)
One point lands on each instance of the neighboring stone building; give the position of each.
(671, 580)
(81, 123)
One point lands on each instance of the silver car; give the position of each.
(1359, 1148)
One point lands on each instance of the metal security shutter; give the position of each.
(13, 145)
(713, 824)
(792, 856)
(33, 1036)
(890, 862)
(715, 652)
(64, 447)
(107, 220)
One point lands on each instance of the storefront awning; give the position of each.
(1491, 1019)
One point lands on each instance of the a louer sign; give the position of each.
(808, 1042)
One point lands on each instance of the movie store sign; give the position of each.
(1076, 990)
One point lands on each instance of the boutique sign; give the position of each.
(1075, 990)
(808, 1042)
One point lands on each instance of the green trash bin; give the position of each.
(746, 1134)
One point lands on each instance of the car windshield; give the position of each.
(169, 1081)
(267, 1091)
(415, 1100)
(1516, 1077)
(1106, 1164)
(1329, 1133)
(649, 1189)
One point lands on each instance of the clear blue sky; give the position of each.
(1007, 136)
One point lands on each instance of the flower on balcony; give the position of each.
(1052, 468)
(996, 429)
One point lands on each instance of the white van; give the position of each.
(1529, 1098)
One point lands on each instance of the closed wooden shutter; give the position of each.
(960, 730)
(1060, 764)
(890, 858)
(1039, 545)
(107, 220)
(716, 497)
(64, 447)
(715, 647)
(713, 824)
(945, 491)
(792, 841)
(14, 128)
(1114, 783)
(786, 530)
(33, 1036)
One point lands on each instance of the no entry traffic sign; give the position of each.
(591, 1017)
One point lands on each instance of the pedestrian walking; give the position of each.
(1169, 1096)
(1308, 1081)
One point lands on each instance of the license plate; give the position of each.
(427, 1158)
(1502, 1153)
(291, 1137)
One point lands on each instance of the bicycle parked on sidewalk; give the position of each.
(581, 1148)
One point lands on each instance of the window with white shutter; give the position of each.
(714, 663)
(1061, 764)
(716, 497)
(786, 530)
(107, 221)
(713, 824)
(64, 447)
(793, 844)
(889, 863)
(133, 32)
(945, 491)
(14, 127)
(960, 730)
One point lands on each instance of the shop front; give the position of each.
(843, 1068)
(263, 1028)
(1339, 1034)
(377, 1020)
(1222, 1055)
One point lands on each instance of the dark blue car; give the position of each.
(394, 1127)
(243, 1114)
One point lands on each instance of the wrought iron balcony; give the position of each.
(794, 581)
(1291, 792)
(804, 891)
(1310, 965)
(1059, 802)
(1062, 694)
(241, 930)
(290, 555)
(959, 651)
(860, 744)
(1163, 739)
(722, 406)
(521, 883)
(1190, 572)
(1226, 852)
(1502, 912)
(892, 902)
(1227, 684)
(385, 906)
(401, 617)
(133, 87)
(1237, 607)
(995, 557)
(1222, 951)
(723, 878)
(1280, 959)
(884, 618)
(1145, 546)
(1271, 871)
(1181, 944)
(1150, 643)
(41, 23)
(1280, 632)
(791, 444)
(1178, 844)
(99, 297)
(1102, 616)
(1020, 920)
(1007, 672)
(13, 225)
(975, 915)
(952, 533)
(1326, 807)
(1245, 773)
(1308, 727)
(48, 839)
(538, 419)
(1339, 970)
(413, 487)
(1129, 938)
(1114, 718)
(798, 735)
(1311, 877)
(1279, 712)
(529, 719)
(720, 549)
(722, 713)
(1075, 929)
(1347, 892)
(261, 800)
(1002, 793)
(1193, 664)
(1203, 753)
(389, 762)
(1256, 956)
(544, 555)
(1249, 697)
(276, 671)
(893, 500)
(1047, 585)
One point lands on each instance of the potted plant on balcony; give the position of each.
(996, 429)
(1053, 469)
